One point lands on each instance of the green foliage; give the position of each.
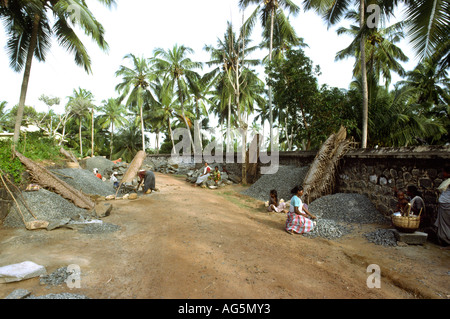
(12, 167)
(33, 146)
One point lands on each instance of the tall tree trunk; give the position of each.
(365, 106)
(157, 141)
(272, 13)
(26, 78)
(111, 140)
(140, 102)
(171, 136)
(185, 120)
(81, 141)
(92, 133)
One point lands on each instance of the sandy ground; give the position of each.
(192, 243)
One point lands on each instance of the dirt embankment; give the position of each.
(186, 242)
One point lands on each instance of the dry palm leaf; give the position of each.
(320, 179)
(48, 180)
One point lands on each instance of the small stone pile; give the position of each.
(56, 278)
(383, 237)
(329, 229)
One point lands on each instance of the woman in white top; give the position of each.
(204, 176)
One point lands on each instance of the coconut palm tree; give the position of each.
(165, 107)
(29, 28)
(332, 12)
(175, 65)
(225, 58)
(271, 13)
(80, 103)
(113, 117)
(428, 27)
(382, 53)
(135, 84)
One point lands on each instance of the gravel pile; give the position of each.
(85, 180)
(283, 181)
(45, 205)
(329, 229)
(347, 208)
(384, 237)
(56, 278)
(97, 228)
(103, 165)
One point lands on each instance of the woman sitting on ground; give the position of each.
(299, 218)
(215, 175)
(274, 204)
(204, 176)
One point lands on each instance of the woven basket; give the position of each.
(406, 224)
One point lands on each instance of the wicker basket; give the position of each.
(406, 224)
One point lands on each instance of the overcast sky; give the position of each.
(140, 26)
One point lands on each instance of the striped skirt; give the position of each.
(298, 223)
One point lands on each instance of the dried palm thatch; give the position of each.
(320, 179)
(48, 180)
(133, 169)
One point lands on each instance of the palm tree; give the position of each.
(126, 144)
(395, 121)
(165, 107)
(382, 54)
(225, 59)
(332, 12)
(271, 12)
(429, 27)
(113, 117)
(80, 103)
(176, 66)
(135, 84)
(29, 29)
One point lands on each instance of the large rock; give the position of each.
(21, 271)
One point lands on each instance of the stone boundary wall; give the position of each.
(374, 172)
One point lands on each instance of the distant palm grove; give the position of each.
(169, 89)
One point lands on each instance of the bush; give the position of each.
(33, 146)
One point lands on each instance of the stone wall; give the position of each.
(375, 173)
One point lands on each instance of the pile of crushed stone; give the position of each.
(282, 181)
(45, 205)
(383, 237)
(85, 181)
(347, 208)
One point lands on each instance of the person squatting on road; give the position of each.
(147, 181)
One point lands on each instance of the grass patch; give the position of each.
(238, 200)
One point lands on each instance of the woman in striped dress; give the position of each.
(299, 219)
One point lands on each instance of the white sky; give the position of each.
(140, 26)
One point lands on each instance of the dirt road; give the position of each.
(186, 242)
